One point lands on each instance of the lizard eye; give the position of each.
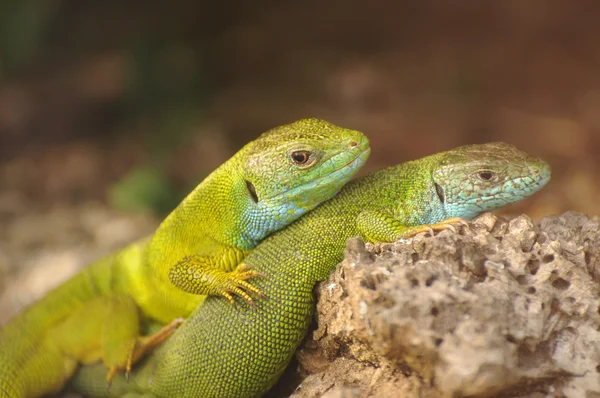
(300, 157)
(486, 175)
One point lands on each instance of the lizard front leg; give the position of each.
(383, 226)
(201, 275)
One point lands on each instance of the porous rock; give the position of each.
(502, 308)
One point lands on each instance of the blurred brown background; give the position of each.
(111, 111)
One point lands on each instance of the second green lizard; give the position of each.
(223, 353)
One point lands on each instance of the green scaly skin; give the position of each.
(96, 315)
(221, 352)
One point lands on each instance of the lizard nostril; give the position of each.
(353, 144)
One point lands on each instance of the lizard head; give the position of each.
(473, 179)
(290, 169)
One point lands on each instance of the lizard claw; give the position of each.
(440, 226)
(449, 224)
(112, 371)
(243, 272)
(129, 362)
(236, 284)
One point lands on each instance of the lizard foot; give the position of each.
(196, 275)
(440, 226)
(235, 283)
(141, 346)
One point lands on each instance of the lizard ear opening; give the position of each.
(440, 192)
(252, 191)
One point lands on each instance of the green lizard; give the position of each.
(96, 315)
(224, 353)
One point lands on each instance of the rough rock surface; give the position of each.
(502, 308)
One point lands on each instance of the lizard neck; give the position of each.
(216, 209)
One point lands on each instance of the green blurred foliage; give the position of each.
(164, 97)
(165, 92)
(22, 27)
(143, 189)
(160, 83)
